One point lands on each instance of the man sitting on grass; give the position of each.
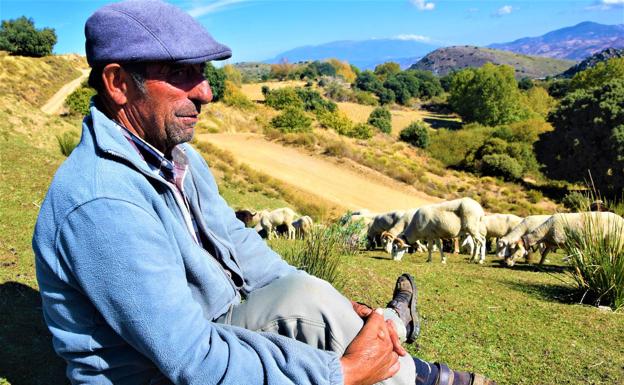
(142, 266)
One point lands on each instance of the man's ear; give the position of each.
(116, 83)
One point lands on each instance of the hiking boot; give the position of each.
(447, 376)
(404, 299)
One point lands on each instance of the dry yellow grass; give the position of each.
(401, 117)
(253, 91)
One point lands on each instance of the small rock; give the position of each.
(605, 309)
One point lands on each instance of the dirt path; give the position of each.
(348, 186)
(55, 103)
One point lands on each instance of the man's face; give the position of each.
(166, 111)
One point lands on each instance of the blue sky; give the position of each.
(260, 29)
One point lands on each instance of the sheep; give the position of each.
(440, 221)
(400, 223)
(493, 226)
(528, 224)
(268, 220)
(247, 217)
(382, 222)
(303, 226)
(553, 232)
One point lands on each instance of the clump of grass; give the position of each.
(67, 141)
(597, 257)
(322, 251)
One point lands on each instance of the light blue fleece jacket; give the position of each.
(130, 297)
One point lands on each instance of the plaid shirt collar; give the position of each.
(172, 170)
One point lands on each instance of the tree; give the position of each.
(20, 37)
(216, 79)
(368, 81)
(383, 71)
(588, 135)
(599, 75)
(488, 95)
(343, 69)
(281, 70)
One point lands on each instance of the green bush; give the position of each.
(361, 131)
(282, 98)
(337, 121)
(292, 120)
(416, 134)
(20, 37)
(597, 259)
(381, 118)
(68, 141)
(78, 101)
(313, 101)
(365, 98)
(501, 165)
(576, 201)
(453, 147)
(337, 91)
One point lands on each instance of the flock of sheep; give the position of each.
(399, 231)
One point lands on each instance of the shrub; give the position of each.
(361, 131)
(337, 121)
(67, 142)
(386, 96)
(416, 134)
(265, 90)
(368, 81)
(282, 98)
(20, 37)
(597, 258)
(292, 120)
(313, 101)
(234, 97)
(78, 101)
(320, 254)
(576, 201)
(381, 118)
(501, 165)
(337, 91)
(365, 98)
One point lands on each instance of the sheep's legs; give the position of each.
(430, 249)
(439, 243)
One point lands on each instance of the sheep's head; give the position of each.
(503, 249)
(386, 241)
(399, 247)
(516, 252)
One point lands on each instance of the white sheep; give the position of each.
(269, 220)
(554, 231)
(440, 221)
(380, 223)
(528, 224)
(303, 226)
(492, 226)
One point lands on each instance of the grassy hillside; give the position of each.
(445, 60)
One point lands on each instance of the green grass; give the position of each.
(519, 326)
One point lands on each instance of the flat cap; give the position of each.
(148, 31)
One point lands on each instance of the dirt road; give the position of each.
(346, 185)
(55, 103)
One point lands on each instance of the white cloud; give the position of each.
(422, 5)
(605, 5)
(413, 37)
(504, 10)
(214, 6)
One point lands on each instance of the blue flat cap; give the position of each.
(148, 31)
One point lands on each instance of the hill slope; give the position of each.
(575, 43)
(445, 60)
(593, 60)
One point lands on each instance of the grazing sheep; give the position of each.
(247, 217)
(269, 220)
(303, 226)
(528, 224)
(493, 226)
(553, 232)
(444, 220)
(380, 224)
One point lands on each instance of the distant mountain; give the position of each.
(364, 54)
(591, 61)
(574, 43)
(444, 60)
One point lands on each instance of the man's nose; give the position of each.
(201, 92)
